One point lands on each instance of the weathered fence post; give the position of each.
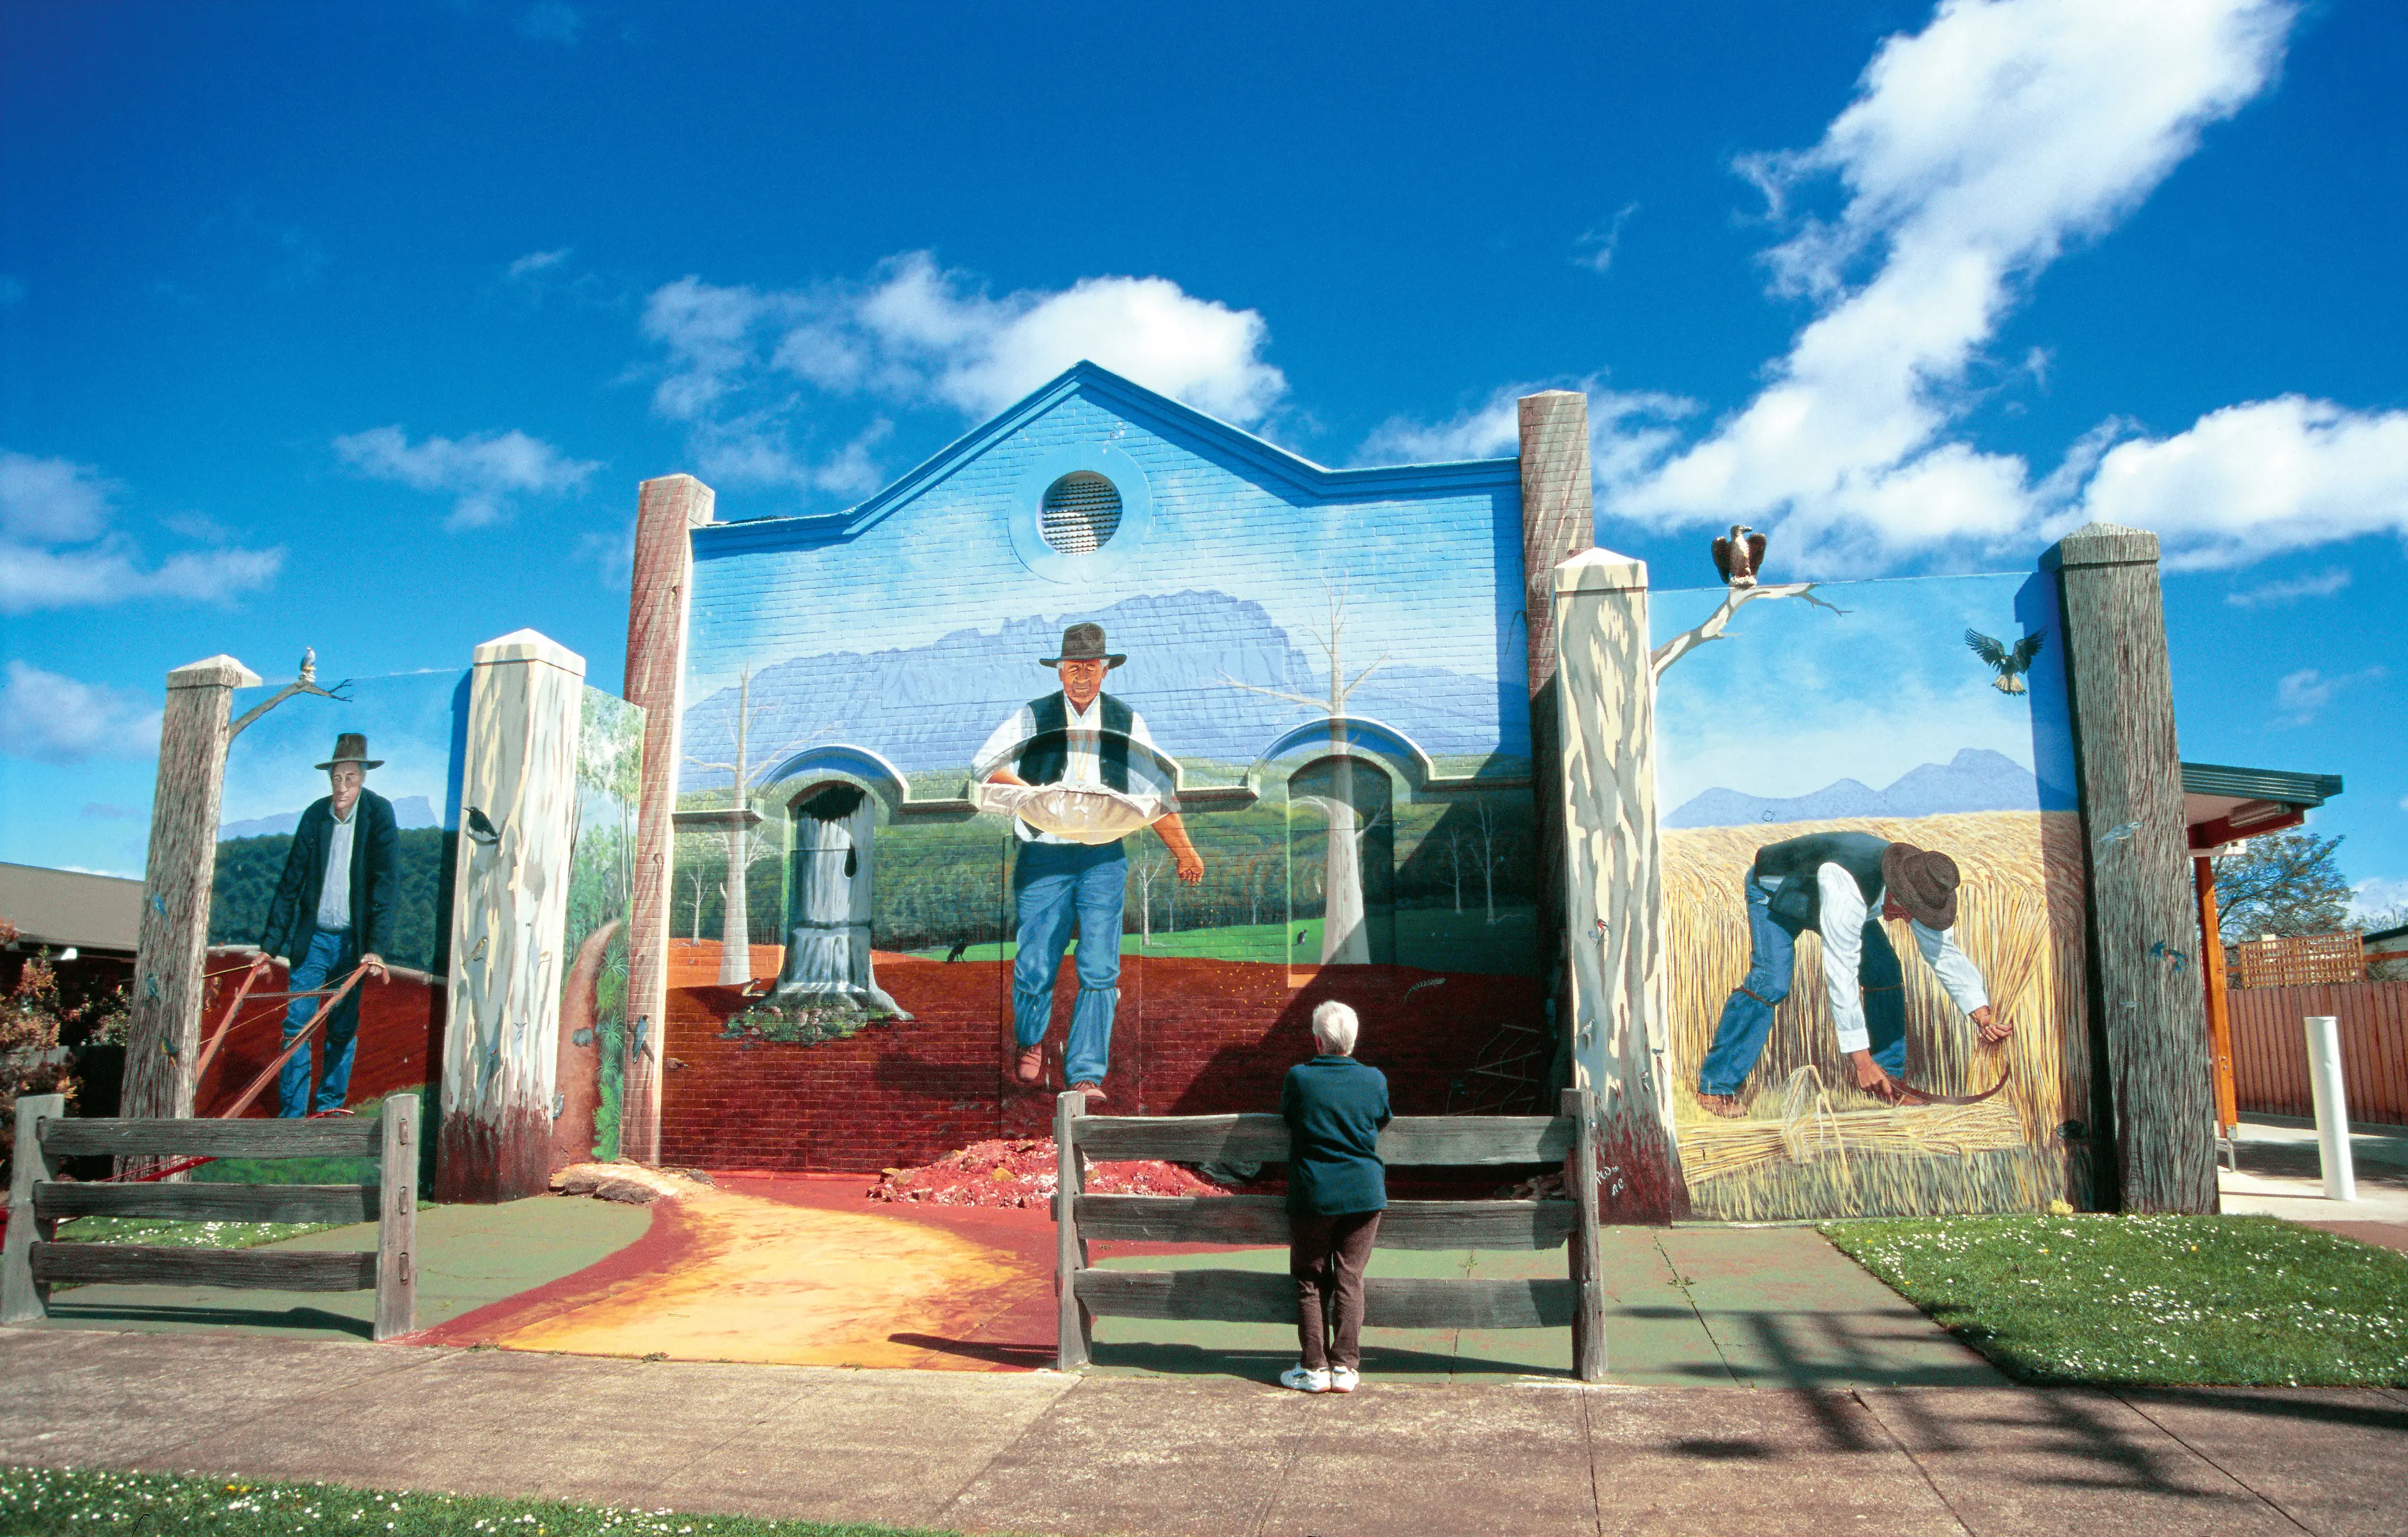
(396, 1286)
(2146, 1001)
(1072, 1347)
(1558, 520)
(21, 1298)
(1614, 882)
(667, 509)
(163, 1033)
(1586, 1254)
(518, 822)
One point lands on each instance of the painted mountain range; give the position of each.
(929, 707)
(1975, 780)
(407, 812)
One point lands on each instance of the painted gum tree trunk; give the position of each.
(1605, 694)
(2146, 998)
(164, 1032)
(518, 817)
(828, 952)
(667, 510)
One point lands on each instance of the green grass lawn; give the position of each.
(1429, 938)
(182, 1235)
(2151, 1300)
(39, 1501)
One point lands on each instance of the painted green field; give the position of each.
(1428, 938)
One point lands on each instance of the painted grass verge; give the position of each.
(43, 1501)
(166, 1233)
(2151, 1300)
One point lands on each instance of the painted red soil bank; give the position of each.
(400, 1041)
(1194, 1037)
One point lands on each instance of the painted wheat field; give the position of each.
(1813, 1145)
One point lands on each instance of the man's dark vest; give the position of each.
(1795, 863)
(1047, 756)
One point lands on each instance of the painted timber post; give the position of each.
(162, 1036)
(518, 823)
(1559, 520)
(1612, 886)
(667, 510)
(2148, 1008)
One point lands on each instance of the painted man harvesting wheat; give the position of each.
(1842, 885)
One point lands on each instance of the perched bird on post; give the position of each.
(1740, 556)
(2009, 665)
(308, 664)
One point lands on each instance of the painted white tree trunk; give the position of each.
(827, 953)
(1613, 901)
(736, 928)
(1345, 936)
(501, 1050)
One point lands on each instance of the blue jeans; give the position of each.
(330, 958)
(1053, 884)
(1747, 1017)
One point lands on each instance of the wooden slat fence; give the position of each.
(2270, 1048)
(2275, 960)
(37, 1203)
(1577, 1302)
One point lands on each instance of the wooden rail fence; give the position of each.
(1577, 1302)
(2270, 1049)
(32, 1263)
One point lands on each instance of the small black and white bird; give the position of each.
(2010, 666)
(481, 828)
(1740, 555)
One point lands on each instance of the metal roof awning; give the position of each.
(62, 907)
(2223, 804)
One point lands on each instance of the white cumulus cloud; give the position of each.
(53, 718)
(2300, 696)
(741, 362)
(1975, 151)
(2266, 595)
(59, 547)
(481, 472)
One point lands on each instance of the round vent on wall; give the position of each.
(1081, 512)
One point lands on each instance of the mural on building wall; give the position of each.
(1116, 679)
(1873, 888)
(594, 1025)
(406, 756)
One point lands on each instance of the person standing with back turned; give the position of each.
(1337, 1187)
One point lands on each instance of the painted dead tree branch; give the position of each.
(1345, 937)
(1712, 630)
(736, 927)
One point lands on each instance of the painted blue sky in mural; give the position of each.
(371, 361)
(271, 772)
(1881, 710)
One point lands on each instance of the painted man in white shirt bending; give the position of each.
(1839, 884)
(1080, 736)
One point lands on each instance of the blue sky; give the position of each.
(354, 326)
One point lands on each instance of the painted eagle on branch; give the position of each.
(1740, 555)
(2010, 666)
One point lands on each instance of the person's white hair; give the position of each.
(1334, 1028)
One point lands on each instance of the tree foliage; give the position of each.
(33, 1020)
(2287, 883)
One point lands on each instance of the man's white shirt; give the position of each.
(334, 894)
(1842, 929)
(1083, 770)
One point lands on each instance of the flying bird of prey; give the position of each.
(2009, 665)
(1740, 556)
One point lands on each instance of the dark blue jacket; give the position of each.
(293, 916)
(1334, 1107)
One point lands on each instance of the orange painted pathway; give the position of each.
(798, 1270)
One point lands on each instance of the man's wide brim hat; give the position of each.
(1084, 643)
(1923, 882)
(352, 747)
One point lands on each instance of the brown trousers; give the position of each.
(1326, 1256)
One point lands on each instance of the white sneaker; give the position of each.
(1306, 1379)
(1344, 1379)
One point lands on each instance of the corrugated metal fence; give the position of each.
(2270, 1047)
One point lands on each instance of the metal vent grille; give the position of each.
(1081, 512)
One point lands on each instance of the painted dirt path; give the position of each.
(791, 1270)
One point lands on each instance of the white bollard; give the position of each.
(2333, 1109)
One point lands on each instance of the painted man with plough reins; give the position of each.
(1842, 885)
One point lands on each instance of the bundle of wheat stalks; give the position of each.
(1811, 1142)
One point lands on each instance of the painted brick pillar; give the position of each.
(2147, 1007)
(1559, 520)
(163, 1034)
(510, 920)
(1613, 897)
(667, 509)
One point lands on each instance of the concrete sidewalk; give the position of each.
(1042, 1452)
